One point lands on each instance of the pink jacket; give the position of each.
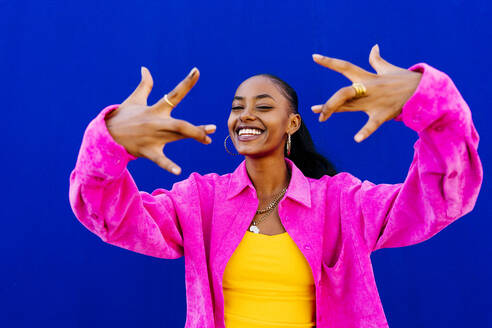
(335, 221)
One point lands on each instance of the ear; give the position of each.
(294, 123)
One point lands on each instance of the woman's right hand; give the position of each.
(145, 130)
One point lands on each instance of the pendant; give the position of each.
(254, 229)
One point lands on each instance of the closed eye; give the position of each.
(259, 107)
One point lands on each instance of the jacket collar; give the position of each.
(298, 190)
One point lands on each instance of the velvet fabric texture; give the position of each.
(335, 221)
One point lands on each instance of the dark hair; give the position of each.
(303, 152)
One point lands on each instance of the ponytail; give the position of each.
(303, 152)
(306, 158)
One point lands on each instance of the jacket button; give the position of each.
(307, 246)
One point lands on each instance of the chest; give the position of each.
(267, 262)
(232, 218)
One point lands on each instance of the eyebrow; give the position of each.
(263, 95)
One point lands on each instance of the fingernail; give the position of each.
(210, 128)
(193, 71)
(317, 56)
(358, 138)
(316, 108)
(176, 170)
(321, 118)
(142, 70)
(208, 140)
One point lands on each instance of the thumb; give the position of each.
(380, 65)
(371, 125)
(141, 93)
(160, 159)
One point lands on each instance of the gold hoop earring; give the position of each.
(227, 150)
(288, 144)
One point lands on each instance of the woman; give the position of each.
(282, 240)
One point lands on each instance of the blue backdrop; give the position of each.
(61, 62)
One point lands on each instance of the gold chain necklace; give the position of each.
(268, 210)
(272, 204)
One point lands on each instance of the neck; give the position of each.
(268, 175)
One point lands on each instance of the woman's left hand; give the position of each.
(386, 92)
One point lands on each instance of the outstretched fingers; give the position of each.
(141, 93)
(334, 103)
(179, 92)
(179, 130)
(349, 70)
(183, 129)
(380, 65)
(372, 124)
(158, 157)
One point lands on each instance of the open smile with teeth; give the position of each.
(249, 132)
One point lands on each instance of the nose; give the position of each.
(247, 113)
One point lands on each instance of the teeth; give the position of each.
(249, 132)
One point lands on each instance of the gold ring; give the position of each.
(168, 101)
(360, 89)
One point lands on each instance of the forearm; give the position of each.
(106, 200)
(447, 148)
(444, 177)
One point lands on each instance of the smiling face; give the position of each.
(260, 118)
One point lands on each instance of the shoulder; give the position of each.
(208, 181)
(343, 187)
(341, 180)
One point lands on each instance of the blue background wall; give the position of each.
(61, 62)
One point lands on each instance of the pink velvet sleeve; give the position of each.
(105, 198)
(445, 175)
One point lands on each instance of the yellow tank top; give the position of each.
(268, 283)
